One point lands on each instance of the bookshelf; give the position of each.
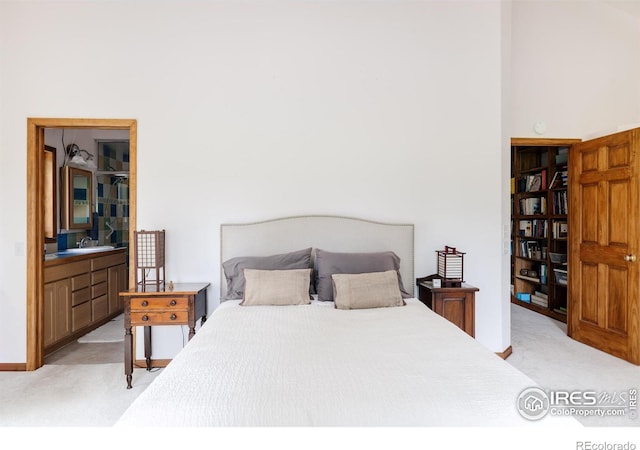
(539, 226)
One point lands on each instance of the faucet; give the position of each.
(84, 241)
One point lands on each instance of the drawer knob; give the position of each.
(145, 303)
(145, 318)
(173, 317)
(172, 303)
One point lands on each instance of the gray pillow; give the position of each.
(234, 268)
(329, 263)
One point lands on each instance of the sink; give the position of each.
(99, 248)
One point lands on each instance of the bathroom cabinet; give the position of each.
(76, 198)
(81, 293)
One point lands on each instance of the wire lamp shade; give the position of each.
(149, 257)
(450, 266)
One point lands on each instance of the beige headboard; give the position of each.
(331, 233)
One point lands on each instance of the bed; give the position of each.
(318, 363)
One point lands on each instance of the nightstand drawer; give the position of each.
(146, 303)
(159, 317)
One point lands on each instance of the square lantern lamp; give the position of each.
(149, 258)
(450, 266)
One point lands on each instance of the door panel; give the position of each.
(619, 155)
(603, 231)
(589, 215)
(616, 313)
(618, 219)
(589, 310)
(589, 159)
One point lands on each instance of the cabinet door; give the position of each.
(57, 311)
(62, 309)
(458, 308)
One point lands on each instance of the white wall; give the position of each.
(575, 67)
(343, 109)
(248, 111)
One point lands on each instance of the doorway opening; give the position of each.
(36, 188)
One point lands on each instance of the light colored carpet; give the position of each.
(91, 395)
(112, 331)
(543, 351)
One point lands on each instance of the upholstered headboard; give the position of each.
(331, 233)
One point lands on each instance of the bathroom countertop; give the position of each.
(63, 257)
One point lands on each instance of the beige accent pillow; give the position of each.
(276, 287)
(366, 290)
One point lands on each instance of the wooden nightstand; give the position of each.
(456, 304)
(148, 306)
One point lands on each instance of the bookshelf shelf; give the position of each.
(539, 224)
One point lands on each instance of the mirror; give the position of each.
(76, 199)
(49, 200)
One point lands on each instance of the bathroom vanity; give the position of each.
(81, 292)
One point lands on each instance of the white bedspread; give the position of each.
(315, 365)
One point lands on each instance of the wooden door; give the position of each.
(604, 244)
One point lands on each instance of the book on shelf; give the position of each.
(539, 301)
(558, 180)
(524, 228)
(524, 296)
(559, 229)
(530, 249)
(560, 202)
(533, 249)
(533, 228)
(533, 205)
(543, 273)
(533, 183)
(541, 295)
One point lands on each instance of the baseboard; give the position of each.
(13, 367)
(505, 354)
(155, 363)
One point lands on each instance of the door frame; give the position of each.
(35, 217)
